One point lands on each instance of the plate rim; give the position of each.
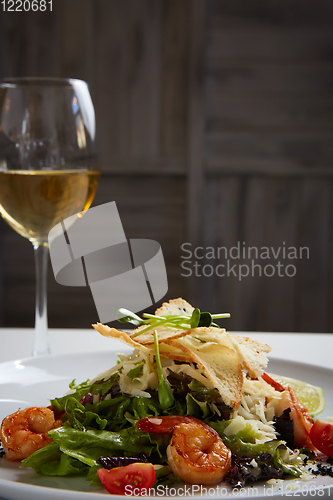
(30, 359)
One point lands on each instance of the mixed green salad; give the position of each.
(99, 425)
(182, 365)
(106, 428)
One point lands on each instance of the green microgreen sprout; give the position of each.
(126, 316)
(165, 395)
(180, 322)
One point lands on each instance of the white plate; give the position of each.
(32, 382)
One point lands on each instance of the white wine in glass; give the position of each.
(48, 166)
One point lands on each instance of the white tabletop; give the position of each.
(310, 348)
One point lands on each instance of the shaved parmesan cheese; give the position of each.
(236, 425)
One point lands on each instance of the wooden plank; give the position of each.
(282, 233)
(252, 217)
(221, 226)
(196, 121)
(312, 312)
(76, 40)
(235, 219)
(14, 47)
(278, 112)
(144, 78)
(174, 77)
(18, 265)
(111, 27)
(270, 43)
(127, 78)
(42, 46)
(3, 36)
(256, 77)
(290, 12)
(306, 149)
(282, 167)
(195, 177)
(157, 166)
(25, 48)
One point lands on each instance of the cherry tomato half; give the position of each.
(132, 479)
(321, 435)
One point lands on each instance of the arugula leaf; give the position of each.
(144, 407)
(113, 411)
(77, 387)
(69, 402)
(92, 419)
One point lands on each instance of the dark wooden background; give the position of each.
(216, 126)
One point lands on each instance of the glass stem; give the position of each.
(41, 341)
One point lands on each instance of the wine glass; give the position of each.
(48, 166)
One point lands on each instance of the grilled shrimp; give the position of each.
(25, 431)
(196, 453)
(298, 414)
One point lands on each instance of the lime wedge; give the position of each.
(311, 396)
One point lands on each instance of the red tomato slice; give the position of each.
(133, 479)
(321, 435)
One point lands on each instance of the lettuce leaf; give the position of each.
(243, 444)
(49, 461)
(73, 450)
(89, 445)
(196, 408)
